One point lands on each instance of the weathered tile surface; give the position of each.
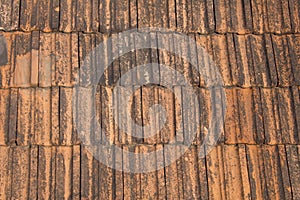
(252, 44)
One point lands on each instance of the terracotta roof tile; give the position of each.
(238, 16)
(255, 46)
(10, 15)
(4, 115)
(55, 172)
(282, 61)
(43, 116)
(47, 64)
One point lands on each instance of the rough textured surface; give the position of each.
(235, 16)
(256, 47)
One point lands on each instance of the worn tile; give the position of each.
(63, 179)
(149, 184)
(284, 176)
(6, 66)
(20, 172)
(183, 15)
(46, 172)
(258, 116)
(221, 58)
(13, 116)
(294, 13)
(243, 59)
(132, 181)
(178, 113)
(63, 59)
(43, 116)
(87, 16)
(67, 17)
(88, 178)
(258, 9)
(200, 17)
(55, 15)
(292, 152)
(287, 115)
(172, 176)
(294, 54)
(232, 128)
(271, 116)
(26, 117)
(221, 9)
(272, 173)
(21, 70)
(107, 118)
(151, 117)
(76, 172)
(256, 172)
(9, 19)
(190, 168)
(4, 115)
(55, 116)
(282, 61)
(106, 175)
(235, 175)
(46, 59)
(215, 173)
(6, 172)
(246, 121)
(65, 118)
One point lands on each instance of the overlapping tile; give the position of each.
(237, 16)
(245, 61)
(259, 171)
(255, 46)
(44, 116)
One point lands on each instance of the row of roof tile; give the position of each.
(53, 59)
(228, 172)
(222, 16)
(45, 116)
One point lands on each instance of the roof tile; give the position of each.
(132, 181)
(65, 117)
(6, 172)
(259, 20)
(46, 172)
(288, 126)
(233, 176)
(67, 16)
(256, 172)
(42, 119)
(26, 117)
(271, 116)
(9, 19)
(215, 173)
(20, 172)
(13, 115)
(4, 115)
(282, 61)
(190, 181)
(89, 179)
(294, 168)
(63, 176)
(294, 13)
(172, 176)
(284, 172)
(274, 184)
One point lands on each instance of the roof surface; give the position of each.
(254, 43)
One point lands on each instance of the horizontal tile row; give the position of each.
(45, 116)
(227, 172)
(53, 59)
(237, 16)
